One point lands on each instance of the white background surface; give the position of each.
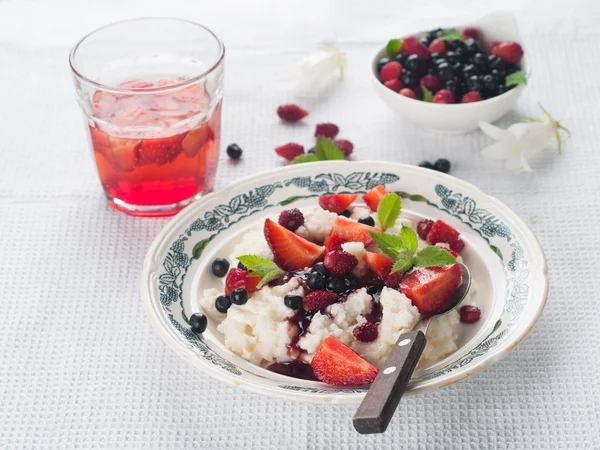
(80, 366)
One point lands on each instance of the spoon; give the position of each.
(382, 398)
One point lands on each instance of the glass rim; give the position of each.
(118, 89)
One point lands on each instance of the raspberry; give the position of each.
(444, 96)
(471, 97)
(291, 219)
(412, 46)
(291, 113)
(470, 314)
(393, 279)
(237, 278)
(394, 84)
(406, 92)
(442, 232)
(317, 300)
(492, 45)
(290, 151)
(391, 70)
(339, 262)
(437, 46)
(423, 228)
(366, 332)
(431, 82)
(470, 32)
(345, 146)
(326, 130)
(510, 52)
(457, 245)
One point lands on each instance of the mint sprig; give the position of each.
(325, 150)
(427, 95)
(393, 47)
(402, 249)
(516, 78)
(389, 210)
(260, 267)
(450, 34)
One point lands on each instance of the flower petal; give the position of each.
(493, 131)
(498, 152)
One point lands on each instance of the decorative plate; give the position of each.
(504, 256)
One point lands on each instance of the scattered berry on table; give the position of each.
(316, 281)
(437, 46)
(470, 32)
(292, 219)
(406, 92)
(291, 113)
(395, 85)
(234, 151)
(351, 281)
(292, 301)
(470, 314)
(336, 203)
(320, 268)
(391, 70)
(326, 130)
(365, 332)
(345, 146)
(289, 151)
(222, 303)
(442, 165)
(393, 279)
(431, 82)
(198, 323)
(510, 52)
(239, 296)
(219, 267)
(444, 96)
(339, 262)
(317, 300)
(423, 228)
(471, 96)
(336, 284)
(367, 220)
(426, 165)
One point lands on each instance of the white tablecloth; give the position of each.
(80, 366)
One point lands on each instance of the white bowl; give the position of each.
(502, 253)
(458, 118)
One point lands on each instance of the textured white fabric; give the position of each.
(80, 366)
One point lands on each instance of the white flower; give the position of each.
(522, 141)
(319, 71)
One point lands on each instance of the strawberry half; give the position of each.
(337, 203)
(335, 363)
(159, 151)
(429, 288)
(291, 251)
(374, 196)
(352, 231)
(237, 278)
(379, 264)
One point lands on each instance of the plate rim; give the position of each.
(350, 398)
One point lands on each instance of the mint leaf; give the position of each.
(450, 34)
(305, 159)
(389, 210)
(433, 256)
(260, 267)
(327, 150)
(410, 238)
(427, 94)
(516, 78)
(393, 47)
(388, 243)
(404, 262)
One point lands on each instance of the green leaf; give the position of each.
(199, 248)
(516, 78)
(427, 94)
(450, 34)
(404, 262)
(433, 256)
(327, 150)
(389, 210)
(410, 239)
(305, 159)
(260, 267)
(388, 243)
(292, 199)
(393, 47)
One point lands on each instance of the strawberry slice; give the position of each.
(159, 151)
(124, 153)
(291, 251)
(337, 203)
(237, 278)
(334, 243)
(352, 231)
(429, 288)
(374, 196)
(335, 363)
(195, 139)
(379, 264)
(452, 252)
(442, 232)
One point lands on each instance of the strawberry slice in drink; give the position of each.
(159, 151)
(429, 288)
(195, 139)
(291, 251)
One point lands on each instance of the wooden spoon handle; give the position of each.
(378, 406)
